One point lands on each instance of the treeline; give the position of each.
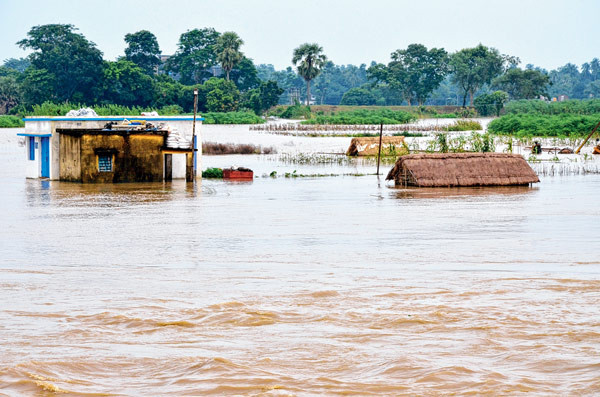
(65, 67)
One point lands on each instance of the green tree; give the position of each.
(10, 92)
(471, 68)
(143, 50)
(73, 64)
(287, 79)
(309, 60)
(358, 96)
(264, 97)
(417, 71)
(523, 84)
(593, 89)
(245, 75)
(18, 64)
(125, 83)
(218, 95)
(168, 91)
(195, 55)
(489, 104)
(228, 51)
(37, 86)
(566, 80)
(334, 80)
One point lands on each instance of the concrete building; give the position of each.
(112, 149)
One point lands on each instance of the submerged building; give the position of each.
(112, 149)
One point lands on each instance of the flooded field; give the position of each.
(297, 286)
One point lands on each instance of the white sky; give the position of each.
(547, 33)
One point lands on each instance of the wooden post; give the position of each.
(588, 137)
(194, 136)
(379, 153)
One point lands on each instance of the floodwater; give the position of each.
(297, 286)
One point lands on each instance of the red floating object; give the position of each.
(238, 174)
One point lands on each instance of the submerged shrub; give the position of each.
(212, 173)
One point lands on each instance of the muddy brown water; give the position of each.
(306, 286)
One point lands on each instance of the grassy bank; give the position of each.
(539, 125)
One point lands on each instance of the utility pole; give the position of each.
(379, 153)
(194, 144)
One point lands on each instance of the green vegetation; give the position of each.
(143, 50)
(212, 173)
(490, 104)
(11, 122)
(523, 84)
(530, 125)
(61, 109)
(472, 68)
(309, 61)
(228, 51)
(232, 118)
(63, 66)
(358, 117)
(573, 106)
(294, 112)
(473, 143)
(413, 73)
(54, 109)
(464, 125)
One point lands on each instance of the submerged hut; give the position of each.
(369, 146)
(462, 169)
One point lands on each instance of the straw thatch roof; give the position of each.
(369, 146)
(462, 169)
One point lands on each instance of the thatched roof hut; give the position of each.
(462, 169)
(369, 146)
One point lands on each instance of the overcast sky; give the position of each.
(546, 33)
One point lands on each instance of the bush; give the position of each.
(464, 125)
(296, 112)
(361, 116)
(11, 122)
(212, 173)
(529, 125)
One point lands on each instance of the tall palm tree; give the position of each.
(309, 60)
(228, 51)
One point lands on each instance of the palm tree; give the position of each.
(228, 51)
(309, 60)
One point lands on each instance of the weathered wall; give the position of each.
(137, 158)
(70, 160)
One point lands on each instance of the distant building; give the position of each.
(90, 149)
